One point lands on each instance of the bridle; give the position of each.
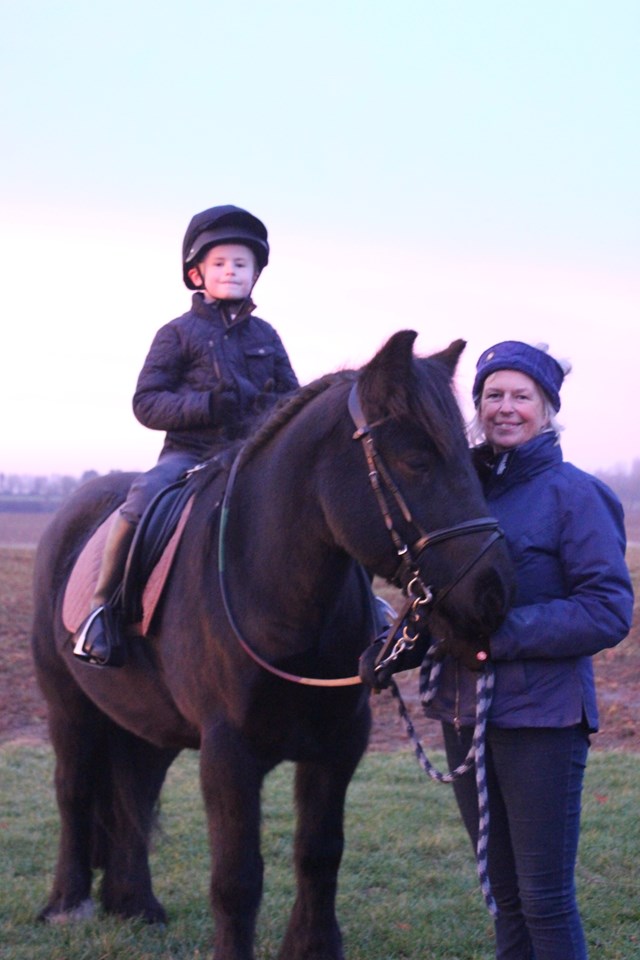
(407, 575)
(409, 555)
(420, 596)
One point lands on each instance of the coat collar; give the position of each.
(219, 309)
(503, 470)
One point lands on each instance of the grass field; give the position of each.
(408, 888)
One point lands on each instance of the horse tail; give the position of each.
(129, 773)
(114, 811)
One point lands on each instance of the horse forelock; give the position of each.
(439, 409)
(421, 394)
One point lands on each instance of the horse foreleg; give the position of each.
(231, 779)
(313, 932)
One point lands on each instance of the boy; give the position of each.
(206, 377)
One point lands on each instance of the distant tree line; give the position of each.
(626, 485)
(26, 493)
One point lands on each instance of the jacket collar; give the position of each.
(215, 309)
(503, 470)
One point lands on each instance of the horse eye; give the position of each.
(418, 463)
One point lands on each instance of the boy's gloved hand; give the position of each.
(223, 401)
(267, 397)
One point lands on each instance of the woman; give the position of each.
(566, 536)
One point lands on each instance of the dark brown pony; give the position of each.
(302, 524)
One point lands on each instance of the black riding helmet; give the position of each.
(225, 224)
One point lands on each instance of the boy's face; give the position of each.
(227, 272)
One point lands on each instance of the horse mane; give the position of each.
(267, 427)
(288, 409)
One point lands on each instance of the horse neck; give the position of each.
(276, 512)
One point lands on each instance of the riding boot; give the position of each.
(92, 641)
(114, 559)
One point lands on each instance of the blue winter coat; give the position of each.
(565, 532)
(191, 356)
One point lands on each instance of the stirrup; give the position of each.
(99, 640)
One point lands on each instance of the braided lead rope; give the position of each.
(429, 674)
(484, 695)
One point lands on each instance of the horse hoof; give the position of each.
(155, 915)
(83, 911)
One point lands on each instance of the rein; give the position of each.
(291, 677)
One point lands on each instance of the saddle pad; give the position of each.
(84, 576)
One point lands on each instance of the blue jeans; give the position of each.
(534, 778)
(146, 486)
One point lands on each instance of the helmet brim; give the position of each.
(210, 238)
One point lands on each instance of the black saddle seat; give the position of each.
(157, 526)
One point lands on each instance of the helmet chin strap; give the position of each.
(255, 280)
(199, 286)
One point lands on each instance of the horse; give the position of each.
(253, 655)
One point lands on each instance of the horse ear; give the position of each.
(395, 357)
(386, 376)
(451, 355)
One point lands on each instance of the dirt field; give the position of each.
(23, 713)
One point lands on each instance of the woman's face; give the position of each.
(512, 409)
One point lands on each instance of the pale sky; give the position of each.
(459, 167)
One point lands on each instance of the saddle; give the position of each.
(154, 544)
(149, 562)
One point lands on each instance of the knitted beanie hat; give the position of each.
(514, 355)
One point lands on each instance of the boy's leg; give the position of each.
(113, 561)
(114, 558)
